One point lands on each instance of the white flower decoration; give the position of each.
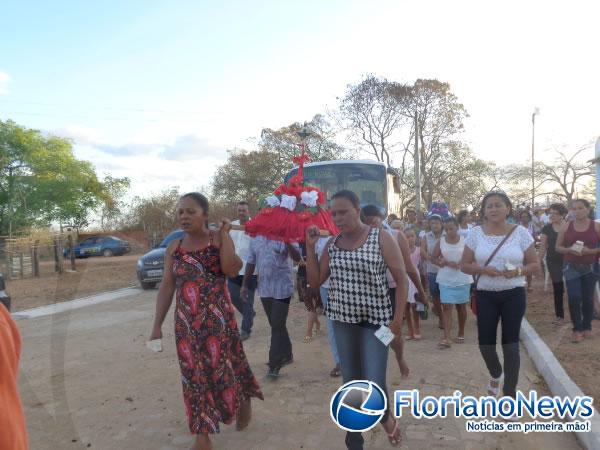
(288, 201)
(272, 201)
(309, 198)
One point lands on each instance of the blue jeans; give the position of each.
(246, 308)
(362, 357)
(330, 334)
(580, 289)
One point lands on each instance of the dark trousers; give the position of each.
(558, 287)
(508, 307)
(362, 357)
(246, 308)
(580, 288)
(281, 345)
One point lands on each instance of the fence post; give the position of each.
(36, 259)
(57, 262)
(71, 252)
(21, 265)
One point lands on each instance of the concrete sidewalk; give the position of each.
(87, 380)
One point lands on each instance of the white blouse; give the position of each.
(512, 251)
(452, 253)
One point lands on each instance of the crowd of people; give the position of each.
(375, 273)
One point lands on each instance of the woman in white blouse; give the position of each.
(501, 292)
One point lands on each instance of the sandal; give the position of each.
(417, 337)
(395, 437)
(444, 344)
(410, 337)
(494, 391)
(336, 371)
(459, 339)
(307, 339)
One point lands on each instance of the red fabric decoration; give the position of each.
(280, 224)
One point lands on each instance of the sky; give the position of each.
(159, 91)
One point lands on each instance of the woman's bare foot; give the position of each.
(244, 415)
(404, 369)
(202, 443)
(392, 429)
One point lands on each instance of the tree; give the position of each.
(41, 181)
(380, 116)
(373, 116)
(155, 214)
(320, 144)
(440, 124)
(560, 178)
(248, 175)
(251, 175)
(566, 174)
(112, 201)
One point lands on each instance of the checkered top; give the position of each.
(358, 289)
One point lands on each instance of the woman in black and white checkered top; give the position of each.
(356, 262)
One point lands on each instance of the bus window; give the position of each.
(367, 180)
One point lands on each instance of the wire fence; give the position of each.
(33, 256)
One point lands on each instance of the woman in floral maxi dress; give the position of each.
(217, 380)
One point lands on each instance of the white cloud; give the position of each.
(89, 136)
(80, 135)
(192, 148)
(4, 79)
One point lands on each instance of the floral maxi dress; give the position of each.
(215, 373)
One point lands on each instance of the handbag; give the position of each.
(473, 300)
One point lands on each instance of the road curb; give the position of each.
(56, 308)
(558, 380)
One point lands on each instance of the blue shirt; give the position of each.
(274, 266)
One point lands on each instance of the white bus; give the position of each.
(370, 180)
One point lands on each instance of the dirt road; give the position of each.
(87, 381)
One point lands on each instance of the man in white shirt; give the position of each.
(242, 244)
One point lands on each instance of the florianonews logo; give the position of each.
(358, 405)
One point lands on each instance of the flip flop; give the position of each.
(417, 337)
(409, 337)
(459, 340)
(443, 344)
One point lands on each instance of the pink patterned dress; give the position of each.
(215, 373)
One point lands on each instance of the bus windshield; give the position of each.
(368, 181)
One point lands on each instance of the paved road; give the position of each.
(87, 381)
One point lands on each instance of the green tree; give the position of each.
(250, 175)
(320, 144)
(41, 181)
(112, 208)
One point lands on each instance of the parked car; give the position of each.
(100, 246)
(150, 267)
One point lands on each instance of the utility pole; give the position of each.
(417, 165)
(536, 112)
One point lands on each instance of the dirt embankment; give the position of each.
(581, 361)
